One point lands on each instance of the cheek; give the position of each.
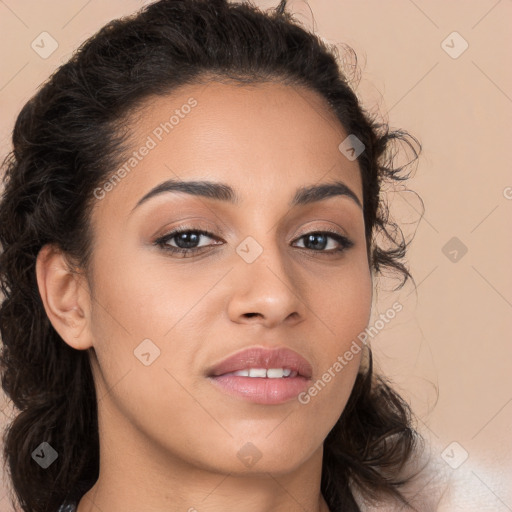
(139, 297)
(134, 313)
(343, 301)
(141, 307)
(344, 309)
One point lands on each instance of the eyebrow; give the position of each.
(223, 192)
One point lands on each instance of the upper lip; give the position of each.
(258, 357)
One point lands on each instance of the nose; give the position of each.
(267, 291)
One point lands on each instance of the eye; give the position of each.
(187, 242)
(318, 241)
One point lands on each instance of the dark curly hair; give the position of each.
(69, 136)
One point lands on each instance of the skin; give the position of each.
(169, 439)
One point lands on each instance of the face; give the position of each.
(252, 269)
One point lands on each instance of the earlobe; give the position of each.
(65, 297)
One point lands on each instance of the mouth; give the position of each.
(265, 373)
(263, 376)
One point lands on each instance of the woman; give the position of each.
(190, 230)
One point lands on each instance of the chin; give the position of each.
(261, 455)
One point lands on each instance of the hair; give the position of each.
(66, 140)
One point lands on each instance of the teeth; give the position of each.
(277, 373)
(257, 372)
(271, 373)
(241, 373)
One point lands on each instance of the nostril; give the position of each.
(249, 315)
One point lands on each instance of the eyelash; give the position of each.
(344, 242)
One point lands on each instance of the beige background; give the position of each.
(453, 337)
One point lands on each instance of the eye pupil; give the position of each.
(313, 238)
(188, 239)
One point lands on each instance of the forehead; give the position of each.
(263, 139)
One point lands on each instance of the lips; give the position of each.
(262, 376)
(257, 357)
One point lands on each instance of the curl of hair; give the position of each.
(66, 139)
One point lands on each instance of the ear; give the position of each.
(66, 297)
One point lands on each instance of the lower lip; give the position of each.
(262, 390)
